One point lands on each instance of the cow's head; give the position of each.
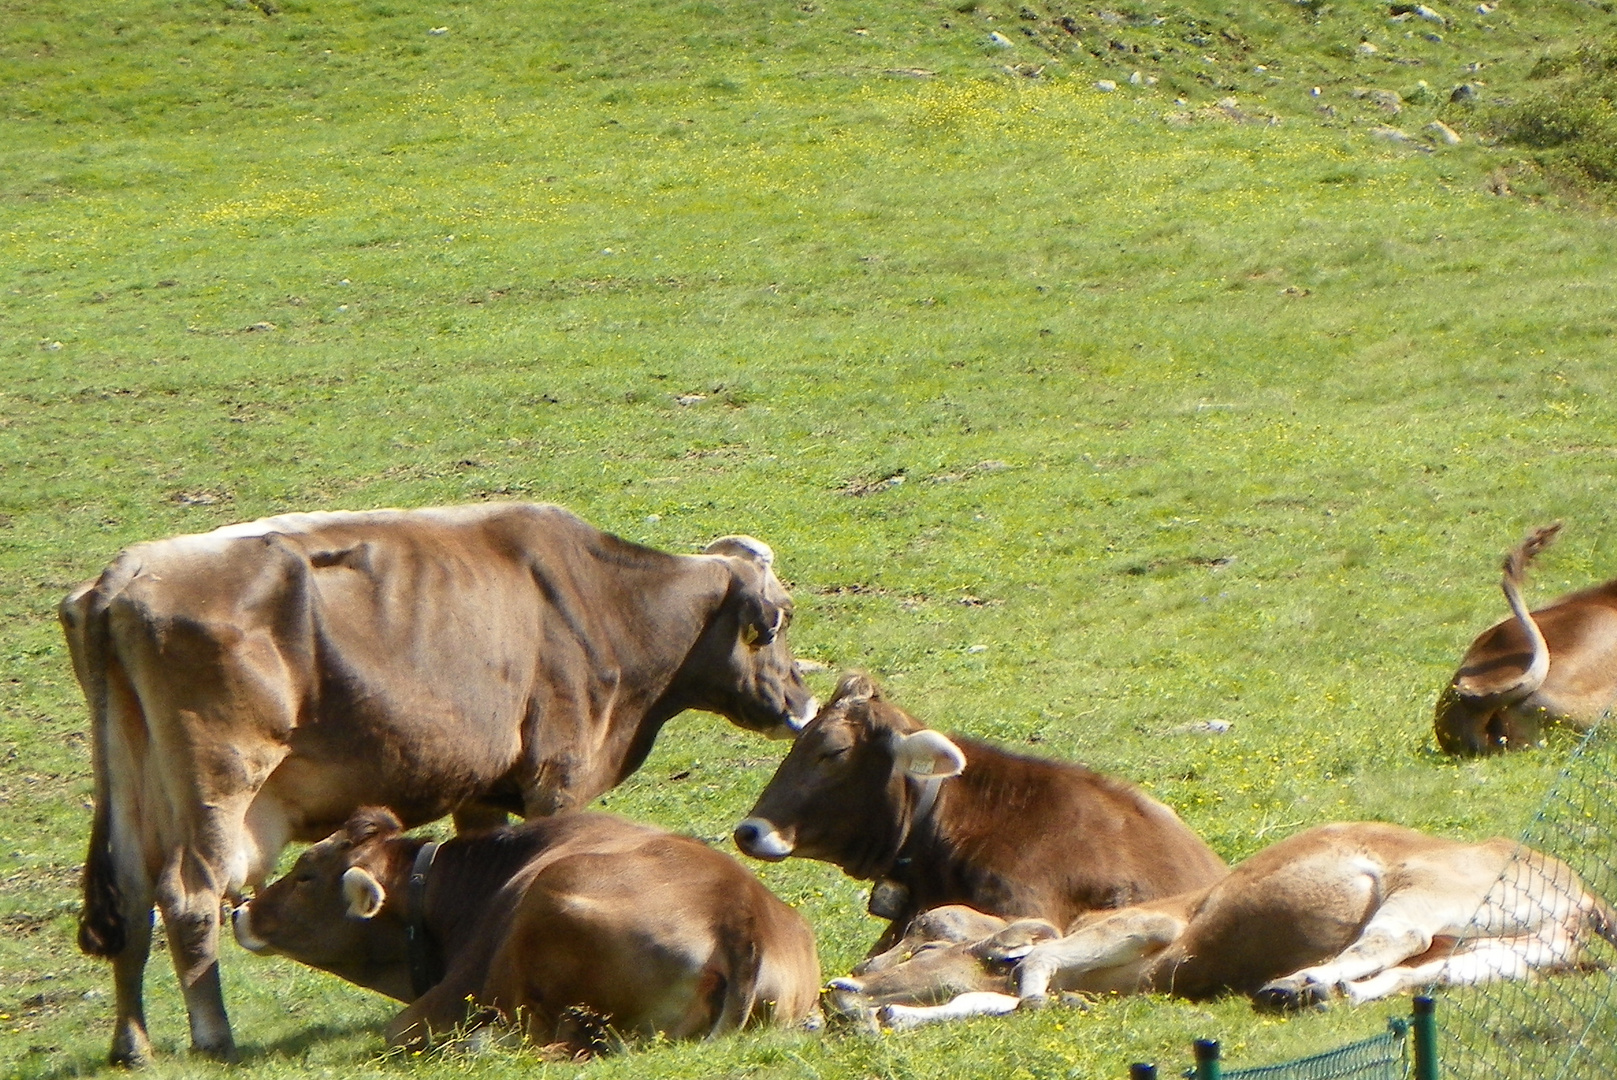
(1468, 726)
(927, 968)
(843, 794)
(746, 669)
(332, 910)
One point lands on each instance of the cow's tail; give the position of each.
(739, 996)
(102, 929)
(1514, 576)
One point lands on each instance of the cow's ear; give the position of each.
(761, 621)
(363, 892)
(927, 754)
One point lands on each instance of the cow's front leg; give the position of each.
(1116, 941)
(189, 893)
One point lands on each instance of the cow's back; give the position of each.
(1053, 839)
(635, 922)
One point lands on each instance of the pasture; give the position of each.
(1176, 428)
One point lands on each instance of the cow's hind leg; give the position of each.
(1402, 928)
(189, 894)
(130, 1043)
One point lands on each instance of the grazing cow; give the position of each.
(936, 822)
(256, 684)
(1556, 665)
(1362, 910)
(582, 929)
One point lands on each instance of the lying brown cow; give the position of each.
(1361, 910)
(256, 684)
(583, 928)
(936, 821)
(1556, 665)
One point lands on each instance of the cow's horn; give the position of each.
(363, 893)
(926, 753)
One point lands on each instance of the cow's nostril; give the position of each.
(746, 834)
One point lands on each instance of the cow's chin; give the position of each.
(241, 925)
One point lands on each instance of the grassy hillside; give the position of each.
(1078, 416)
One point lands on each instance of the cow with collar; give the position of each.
(937, 821)
(256, 684)
(584, 929)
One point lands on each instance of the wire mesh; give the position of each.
(1380, 1057)
(1558, 1026)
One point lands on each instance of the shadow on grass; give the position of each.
(288, 1048)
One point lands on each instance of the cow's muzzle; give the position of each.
(241, 923)
(759, 838)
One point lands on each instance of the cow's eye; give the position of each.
(833, 752)
(302, 877)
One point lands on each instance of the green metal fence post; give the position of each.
(1142, 1071)
(1425, 1031)
(1208, 1067)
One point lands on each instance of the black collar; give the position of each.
(426, 965)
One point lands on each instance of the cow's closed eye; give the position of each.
(831, 753)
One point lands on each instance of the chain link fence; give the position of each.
(1560, 1026)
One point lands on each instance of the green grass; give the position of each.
(1196, 418)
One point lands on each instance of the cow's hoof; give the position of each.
(1291, 995)
(225, 1052)
(130, 1050)
(1033, 1002)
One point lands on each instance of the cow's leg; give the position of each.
(130, 1044)
(1117, 940)
(189, 892)
(1403, 927)
(1481, 961)
(976, 1003)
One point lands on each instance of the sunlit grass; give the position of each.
(1079, 418)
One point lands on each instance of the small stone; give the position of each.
(1314, 91)
(438, 31)
(999, 39)
(1367, 48)
(977, 649)
(1105, 86)
(1463, 93)
(1443, 133)
(1424, 12)
(1136, 79)
(1390, 134)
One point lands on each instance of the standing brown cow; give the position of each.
(581, 928)
(256, 684)
(938, 821)
(1556, 665)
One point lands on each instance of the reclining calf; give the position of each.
(582, 928)
(1361, 910)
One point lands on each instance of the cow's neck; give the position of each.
(943, 859)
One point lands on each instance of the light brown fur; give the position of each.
(1360, 910)
(1556, 665)
(1010, 835)
(584, 929)
(254, 685)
